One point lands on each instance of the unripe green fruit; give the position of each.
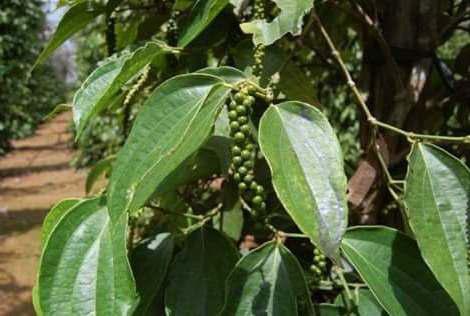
(316, 252)
(242, 186)
(321, 264)
(237, 177)
(246, 154)
(232, 105)
(257, 200)
(259, 189)
(262, 206)
(250, 146)
(242, 119)
(234, 126)
(249, 101)
(236, 150)
(249, 164)
(253, 185)
(248, 179)
(241, 109)
(239, 97)
(245, 128)
(243, 171)
(237, 160)
(239, 137)
(233, 115)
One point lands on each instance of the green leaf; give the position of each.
(173, 124)
(74, 20)
(106, 81)
(84, 268)
(150, 261)
(288, 21)
(101, 167)
(54, 216)
(228, 74)
(307, 171)
(202, 14)
(437, 199)
(391, 265)
(365, 304)
(267, 281)
(295, 84)
(230, 218)
(197, 277)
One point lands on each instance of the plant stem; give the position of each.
(410, 136)
(344, 283)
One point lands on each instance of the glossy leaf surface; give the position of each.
(267, 281)
(437, 199)
(174, 122)
(289, 20)
(106, 81)
(84, 268)
(74, 20)
(54, 216)
(391, 265)
(198, 275)
(307, 171)
(202, 14)
(150, 261)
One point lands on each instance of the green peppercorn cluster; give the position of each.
(318, 268)
(172, 28)
(259, 13)
(244, 149)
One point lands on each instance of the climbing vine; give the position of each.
(232, 189)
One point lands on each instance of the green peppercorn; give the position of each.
(237, 177)
(249, 101)
(239, 97)
(246, 154)
(322, 264)
(241, 109)
(257, 200)
(262, 206)
(245, 128)
(232, 105)
(248, 178)
(242, 170)
(242, 119)
(237, 160)
(242, 186)
(259, 190)
(234, 126)
(239, 137)
(250, 146)
(236, 150)
(233, 115)
(253, 185)
(249, 164)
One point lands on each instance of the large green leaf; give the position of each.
(197, 277)
(307, 171)
(437, 198)
(54, 216)
(150, 261)
(288, 21)
(202, 14)
(174, 122)
(74, 20)
(390, 263)
(106, 81)
(267, 281)
(84, 268)
(365, 304)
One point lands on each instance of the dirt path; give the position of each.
(34, 176)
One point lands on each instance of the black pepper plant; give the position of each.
(229, 195)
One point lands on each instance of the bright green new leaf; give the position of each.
(74, 20)
(202, 14)
(101, 167)
(173, 124)
(197, 277)
(307, 171)
(391, 265)
(106, 81)
(54, 216)
(267, 281)
(150, 261)
(84, 268)
(437, 198)
(288, 21)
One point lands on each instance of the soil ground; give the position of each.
(33, 176)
